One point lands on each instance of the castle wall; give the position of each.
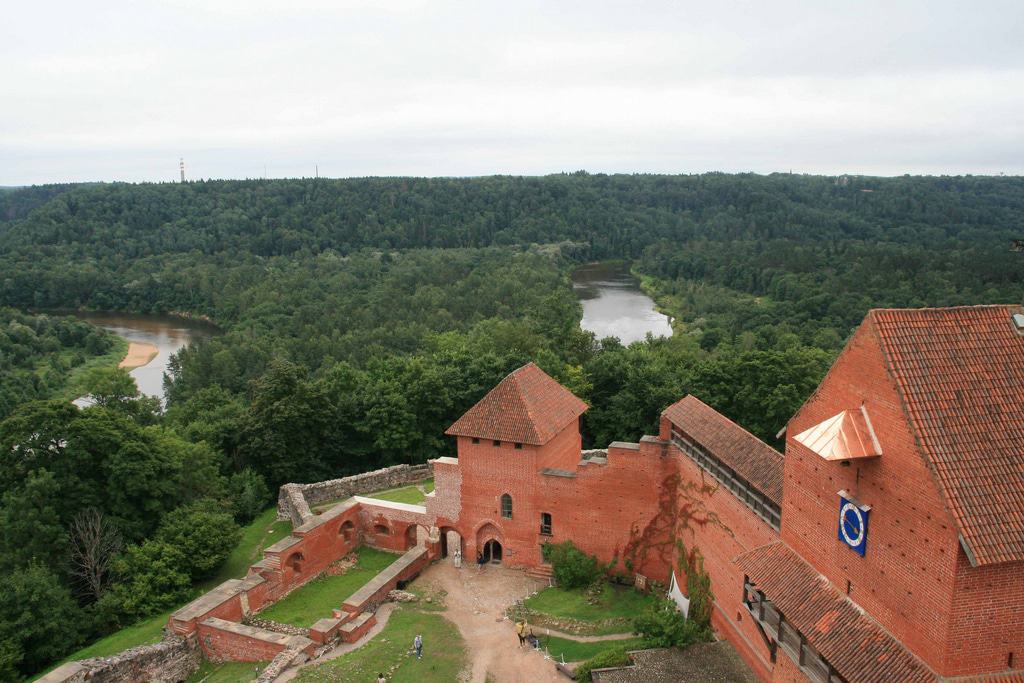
(595, 505)
(721, 527)
(603, 506)
(987, 628)
(906, 579)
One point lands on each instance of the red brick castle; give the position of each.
(887, 545)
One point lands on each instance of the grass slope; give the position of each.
(262, 532)
(314, 601)
(444, 653)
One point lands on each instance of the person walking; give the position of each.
(417, 644)
(521, 632)
(381, 679)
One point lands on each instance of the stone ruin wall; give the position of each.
(294, 500)
(170, 661)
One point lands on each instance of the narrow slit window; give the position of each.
(545, 523)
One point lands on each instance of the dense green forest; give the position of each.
(360, 317)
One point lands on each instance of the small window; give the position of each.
(506, 506)
(381, 530)
(545, 524)
(497, 444)
(519, 446)
(476, 440)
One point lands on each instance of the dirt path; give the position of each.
(139, 354)
(476, 604)
(583, 639)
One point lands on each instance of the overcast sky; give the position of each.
(120, 91)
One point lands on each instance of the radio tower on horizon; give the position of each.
(181, 165)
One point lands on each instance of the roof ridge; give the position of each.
(721, 417)
(516, 375)
(961, 307)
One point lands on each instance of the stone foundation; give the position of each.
(170, 661)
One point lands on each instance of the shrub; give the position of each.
(152, 578)
(663, 625)
(609, 658)
(572, 567)
(203, 533)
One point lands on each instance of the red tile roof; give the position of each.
(528, 406)
(1004, 677)
(748, 456)
(960, 372)
(852, 642)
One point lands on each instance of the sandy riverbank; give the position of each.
(139, 354)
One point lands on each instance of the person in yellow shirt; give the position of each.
(521, 632)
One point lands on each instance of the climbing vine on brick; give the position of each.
(681, 507)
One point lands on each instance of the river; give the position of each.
(615, 306)
(164, 334)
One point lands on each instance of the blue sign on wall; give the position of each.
(853, 523)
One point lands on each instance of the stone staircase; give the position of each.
(544, 572)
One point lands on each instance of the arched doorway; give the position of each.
(489, 540)
(492, 551)
(410, 537)
(451, 542)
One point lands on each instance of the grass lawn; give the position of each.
(406, 494)
(257, 535)
(574, 651)
(304, 606)
(613, 614)
(227, 672)
(444, 653)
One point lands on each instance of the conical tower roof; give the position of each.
(528, 406)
